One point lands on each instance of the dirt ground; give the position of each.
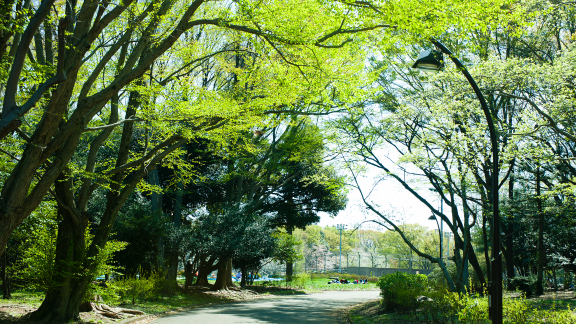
(15, 313)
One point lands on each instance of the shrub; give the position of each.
(469, 308)
(300, 280)
(134, 288)
(400, 290)
(163, 285)
(524, 284)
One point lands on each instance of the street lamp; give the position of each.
(432, 60)
(440, 231)
(340, 228)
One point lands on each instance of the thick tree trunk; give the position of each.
(189, 274)
(204, 269)
(229, 282)
(202, 279)
(221, 282)
(69, 281)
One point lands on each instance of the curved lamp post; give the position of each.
(431, 60)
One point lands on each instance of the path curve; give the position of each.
(313, 308)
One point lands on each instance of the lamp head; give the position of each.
(429, 60)
(433, 217)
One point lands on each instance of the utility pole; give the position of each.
(340, 228)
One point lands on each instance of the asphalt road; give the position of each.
(313, 308)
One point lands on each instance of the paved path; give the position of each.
(313, 308)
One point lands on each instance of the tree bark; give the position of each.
(156, 202)
(69, 281)
(229, 282)
(221, 282)
(6, 289)
(508, 234)
(204, 269)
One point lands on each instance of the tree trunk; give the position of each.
(172, 269)
(156, 204)
(202, 279)
(70, 280)
(229, 282)
(189, 274)
(541, 257)
(6, 289)
(290, 265)
(243, 280)
(204, 269)
(221, 282)
(508, 234)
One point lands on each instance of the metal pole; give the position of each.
(340, 268)
(340, 228)
(495, 284)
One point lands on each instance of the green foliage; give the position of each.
(163, 286)
(400, 290)
(468, 308)
(133, 288)
(525, 284)
(37, 234)
(301, 280)
(286, 247)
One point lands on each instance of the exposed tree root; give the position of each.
(113, 312)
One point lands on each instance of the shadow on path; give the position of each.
(314, 308)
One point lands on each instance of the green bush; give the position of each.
(469, 309)
(301, 280)
(163, 285)
(134, 288)
(524, 284)
(400, 290)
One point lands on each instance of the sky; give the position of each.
(392, 197)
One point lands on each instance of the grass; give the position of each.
(371, 313)
(319, 282)
(31, 298)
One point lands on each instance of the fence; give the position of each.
(330, 262)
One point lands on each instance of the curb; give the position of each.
(135, 319)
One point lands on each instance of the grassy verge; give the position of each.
(552, 302)
(369, 313)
